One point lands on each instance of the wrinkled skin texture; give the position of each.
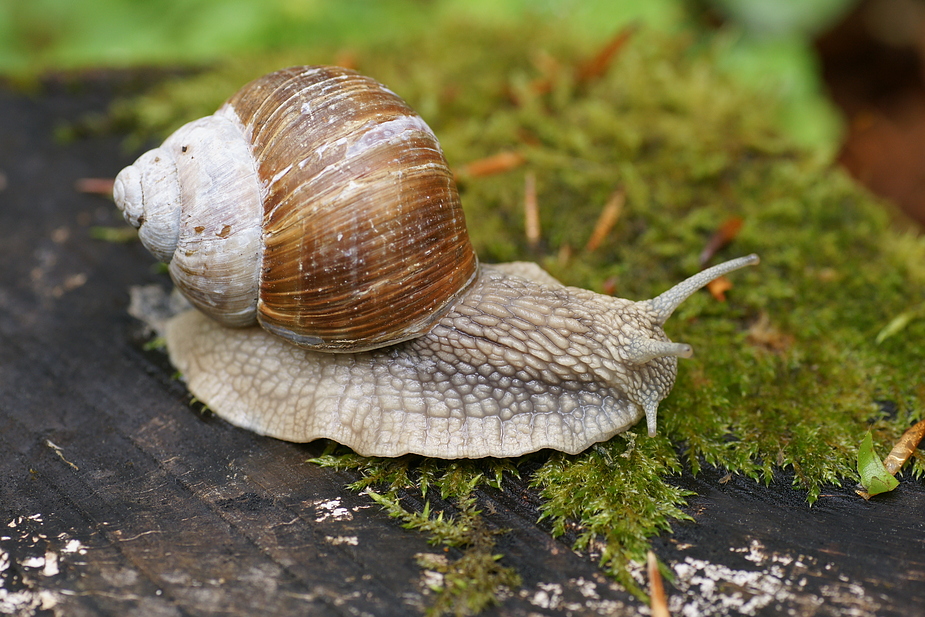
(518, 364)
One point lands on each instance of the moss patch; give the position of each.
(788, 371)
(475, 577)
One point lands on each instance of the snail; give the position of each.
(316, 204)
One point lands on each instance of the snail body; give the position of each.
(483, 361)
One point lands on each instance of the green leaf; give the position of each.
(874, 476)
(896, 325)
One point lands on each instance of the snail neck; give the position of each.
(611, 346)
(521, 335)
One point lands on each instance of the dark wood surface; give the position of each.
(119, 498)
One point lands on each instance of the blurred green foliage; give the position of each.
(44, 34)
(767, 42)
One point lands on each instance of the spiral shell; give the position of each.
(315, 202)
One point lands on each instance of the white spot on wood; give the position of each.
(32, 562)
(333, 510)
(549, 595)
(574, 596)
(36, 557)
(51, 564)
(73, 546)
(432, 579)
(780, 580)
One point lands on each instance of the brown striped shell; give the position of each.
(315, 202)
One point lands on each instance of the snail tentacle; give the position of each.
(665, 304)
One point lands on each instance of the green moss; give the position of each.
(476, 578)
(789, 372)
(617, 492)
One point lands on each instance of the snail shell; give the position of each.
(315, 202)
(315, 195)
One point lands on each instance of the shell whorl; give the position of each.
(196, 202)
(314, 201)
(362, 225)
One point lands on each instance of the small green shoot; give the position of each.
(874, 476)
(114, 235)
(159, 343)
(899, 323)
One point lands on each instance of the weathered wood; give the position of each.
(117, 497)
